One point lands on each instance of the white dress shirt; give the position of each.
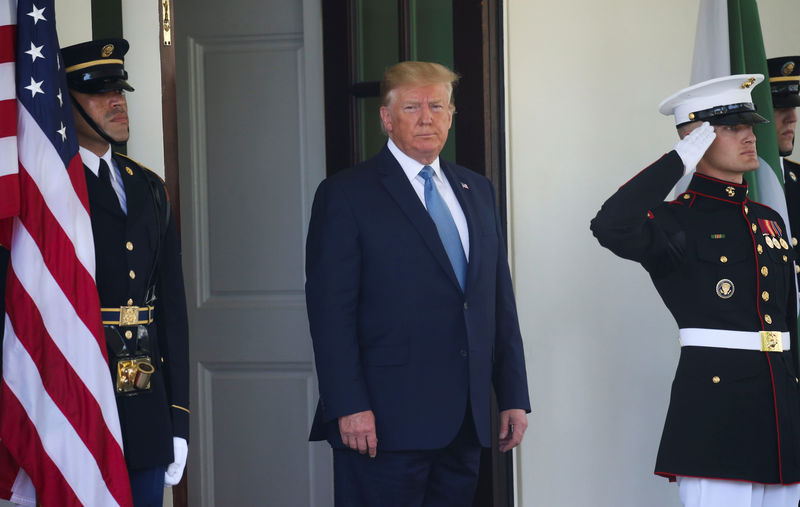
(412, 168)
(92, 161)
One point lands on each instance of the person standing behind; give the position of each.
(723, 266)
(138, 274)
(784, 81)
(411, 310)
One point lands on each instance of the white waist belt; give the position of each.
(765, 341)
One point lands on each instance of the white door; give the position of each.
(250, 106)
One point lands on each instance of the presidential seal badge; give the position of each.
(725, 288)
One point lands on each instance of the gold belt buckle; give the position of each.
(129, 315)
(771, 341)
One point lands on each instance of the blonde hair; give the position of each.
(416, 74)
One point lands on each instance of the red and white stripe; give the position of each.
(59, 426)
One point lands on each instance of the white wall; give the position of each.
(584, 80)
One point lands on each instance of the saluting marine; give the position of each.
(784, 82)
(138, 273)
(723, 265)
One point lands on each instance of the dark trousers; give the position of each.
(147, 486)
(435, 478)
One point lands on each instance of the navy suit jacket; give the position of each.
(393, 332)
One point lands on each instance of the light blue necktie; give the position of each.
(448, 232)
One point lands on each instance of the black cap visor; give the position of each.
(779, 101)
(99, 80)
(743, 118)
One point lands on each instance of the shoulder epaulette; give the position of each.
(140, 165)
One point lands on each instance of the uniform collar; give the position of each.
(718, 189)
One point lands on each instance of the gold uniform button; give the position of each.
(746, 211)
(128, 334)
(785, 259)
(723, 259)
(797, 269)
(129, 246)
(765, 296)
(767, 319)
(794, 241)
(715, 379)
(687, 196)
(764, 271)
(132, 274)
(130, 302)
(796, 380)
(753, 226)
(760, 249)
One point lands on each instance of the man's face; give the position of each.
(785, 122)
(418, 119)
(732, 153)
(109, 110)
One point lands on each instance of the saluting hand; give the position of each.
(513, 423)
(358, 432)
(692, 147)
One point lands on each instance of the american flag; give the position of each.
(59, 428)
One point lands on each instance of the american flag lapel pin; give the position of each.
(464, 186)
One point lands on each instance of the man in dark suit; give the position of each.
(411, 310)
(138, 273)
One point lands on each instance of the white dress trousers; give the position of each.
(696, 492)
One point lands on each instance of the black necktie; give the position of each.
(104, 176)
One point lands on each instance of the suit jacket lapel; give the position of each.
(398, 186)
(134, 187)
(467, 201)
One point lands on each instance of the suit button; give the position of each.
(715, 379)
(723, 259)
(129, 246)
(132, 274)
(463, 353)
(466, 305)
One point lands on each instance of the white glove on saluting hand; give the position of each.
(692, 147)
(175, 470)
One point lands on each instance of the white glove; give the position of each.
(692, 147)
(175, 469)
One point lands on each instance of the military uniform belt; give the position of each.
(765, 341)
(127, 315)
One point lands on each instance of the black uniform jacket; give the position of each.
(125, 250)
(733, 414)
(791, 178)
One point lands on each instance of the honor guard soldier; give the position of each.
(724, 267)
(138, 273)
(784, 81)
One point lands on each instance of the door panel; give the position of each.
(249, 76)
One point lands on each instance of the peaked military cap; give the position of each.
(96, 66)
(719, 101)
(784, 81)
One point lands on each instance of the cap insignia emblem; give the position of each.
(787, 68)
(107, 50)
(750, 82)
(730, 191)
(725, 288)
